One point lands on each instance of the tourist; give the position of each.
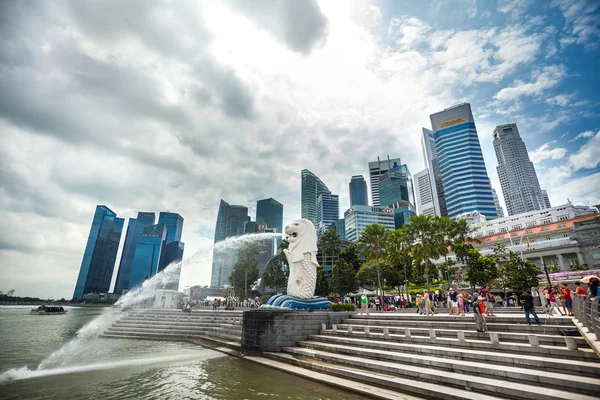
(593, 287)
(377, 304)
(452, 296)
(364, 305)
(579, 291)
(461, 304)
(528, 307)
(567, 298)
(402, 302)
(420, 304)
(478, 314)
(552, 300)
(466, 300)
(536, 297)
(482, 308)
(428, 303)
(489, 300)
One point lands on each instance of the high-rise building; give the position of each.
(328, 211)
(376, 169)
(519, 182)
(464, 176)
(149, 253)
(396, 185)
(499, 209)
(402, 211)
(100, 253)
(340, 228)
(174, 247)
(424, 194)
(546, 199)
(312, 187)
(270, 212)
(358, 191)
(231, 221)
(135, 228)
(357, 218)
(174, 224)
(435, 176)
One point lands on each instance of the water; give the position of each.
(39, 361)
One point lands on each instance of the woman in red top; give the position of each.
(566, 292)
(579, 290)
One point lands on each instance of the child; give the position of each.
(552, 301)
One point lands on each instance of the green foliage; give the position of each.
(282, 246)
(482, 269)
(578, 267)
(520, 274)
(245, 271)
(376, 272)
(274, 277)
(373, 241)
(343, 307)
(330, 242)
(553, 268)
(344, 278)
(322, 287)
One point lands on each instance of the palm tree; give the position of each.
(330, 243)
(372, 242)
(424, 231)
(399, 252)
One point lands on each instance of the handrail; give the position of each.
(587, 311)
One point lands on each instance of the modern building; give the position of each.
(424, 197)
(267, 246)
(174, 224)
(135, 228)
(328, 212)
(312, 187)
(376, 169)
(270, 212)
(403, 211)
(174, 247)
(358, 191)
(518, 179)
(546, 199)
(149, 254)
(433, 169)
(340, 228)
(395, 185)
(358, 217)
(100, 253)
(464, 176)
(231, 222)
(499, 209)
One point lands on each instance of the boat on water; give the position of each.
(48, 310)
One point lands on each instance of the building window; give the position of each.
(529, 224)
(562, 225)
(503, 229)
(515, 227)
(490, 232)
(547, 221)
(596, 256)
(563, 217)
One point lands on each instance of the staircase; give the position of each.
(443, 356)
(224, 327)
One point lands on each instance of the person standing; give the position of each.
(452, 296)
(579, 291)
(377, 304)
(536, 297)
(364, 305)
(567, 298)
(428, 302)
(461, 304)
(552, 300)
(528, 306)
(402, 302)
(478, 314)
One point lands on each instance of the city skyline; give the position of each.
(98, 111)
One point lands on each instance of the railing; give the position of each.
(587, 311)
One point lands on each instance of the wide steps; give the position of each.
(472, 381)
(182, 325)
(165, 336)
(207, 330)
(512, 319)
(561, 365)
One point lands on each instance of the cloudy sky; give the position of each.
(172, 105)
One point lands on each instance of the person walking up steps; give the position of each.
(529, 307)
(567, 298)
(478, 314)
(364, 305)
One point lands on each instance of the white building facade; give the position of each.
(424, 194)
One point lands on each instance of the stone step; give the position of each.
(400, 384)
(472, 381)
(504, 319)
(520, 348)
(175, 324)
(167, 336)
(182, 318)
(463, 324)
(554, 340)
(534, 376)
(206, 330)
(551, 364)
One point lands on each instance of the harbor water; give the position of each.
(62, 357)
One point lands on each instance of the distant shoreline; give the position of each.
(64, 304)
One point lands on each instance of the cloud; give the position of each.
(513, 7)
(541, 80)
(588, 155)
(561, 100)
(544, 152)
(586, 134)
(582, 22)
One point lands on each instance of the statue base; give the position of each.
(285, 302)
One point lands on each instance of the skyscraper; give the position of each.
(231, 221)
(174, 247)
(135, 228)
(174, 224)
(424, 194)
(149, 252)
(328, 211)
(546, 199)
(358, 191)
(270, 212)
(499, 209)
(376, 169)
(100, 253)
(312, 186)
(519, 182)
(464, 176)
(396, 185)
(435, 176)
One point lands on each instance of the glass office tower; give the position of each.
(376, 170)
(174, 224)
(464, 175)
(100, 253)
(270, 212)
(358, 191)
(149, 251)
(328, 212)
(312, 187)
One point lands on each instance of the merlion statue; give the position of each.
(301, 255)
(302, 258)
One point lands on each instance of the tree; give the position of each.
(330, 242)
(482, 269)
(274, 276)
(574, 267)
(322, 286)
(378, 271)
(245, 271)
(282, 246)
(398, 251)
(427, 245)
(373, 241)
(520, 274)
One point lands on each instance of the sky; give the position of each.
(173, 105)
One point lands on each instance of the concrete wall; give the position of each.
(270, 331)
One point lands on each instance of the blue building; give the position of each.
(396, 185)
(312, 187)
(149, 252)
(100, 253)
(328, 211)
(340, 228)
(464, 176)
(135, 228)
(174, 224)
(358, 191)
(270, 212)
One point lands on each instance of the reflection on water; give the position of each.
(98, 368)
